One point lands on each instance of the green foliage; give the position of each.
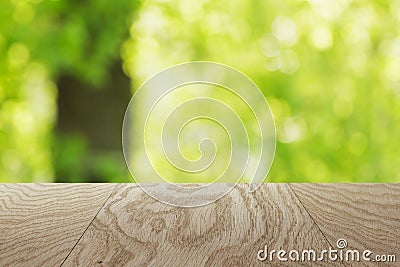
(38, 41)
(329, 69)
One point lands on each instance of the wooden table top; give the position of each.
(119, 225)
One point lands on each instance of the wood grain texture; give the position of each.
(135, 230)
(40, 223)
(366, 215)
(119, 225)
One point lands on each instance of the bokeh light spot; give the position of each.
(321, 38)
(18, 55)
(270, 45)
(284, 29)
(288, 61)
(294, 129)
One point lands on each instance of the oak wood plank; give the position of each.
(132, 229)
(40, 223)
(366, 215)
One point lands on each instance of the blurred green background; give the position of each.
(330, 71)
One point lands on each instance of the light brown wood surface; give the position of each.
(83, 225)
(366, 215)
(40, 223)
